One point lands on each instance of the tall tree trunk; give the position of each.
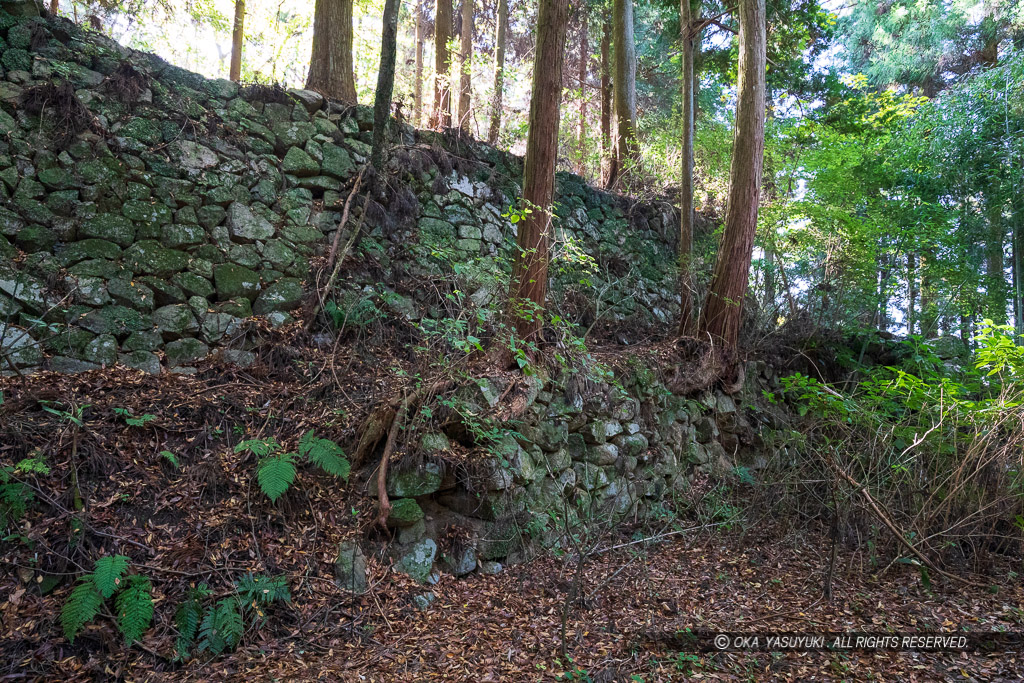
(530, 270)
(625, 81)
(912, 280)
(330, 65)
(929, 306)
(608, 172)
(417, 85)
(385, 82)
(1018, 271)
(54, 7)
(499, 71)
(686, 209)
(442, 116)
(465, 65)
(581, 128)
(995, 268)
(721, 315)
(237, 34)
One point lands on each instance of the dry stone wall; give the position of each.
(146, 212)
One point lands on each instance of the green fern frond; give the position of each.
(83, 604)
(106, 576)
(135, 608)
(186, 619)
(14, 500)
(262, 589)
(325, 454)
(260, 447)
(275, 474)
(221, 628)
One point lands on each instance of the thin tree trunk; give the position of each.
(499, 71)
(1018, 273)
(385, 82)
(442, 116)
(330, 65)
(929, 307)
(608, 166)
(581, 129)
(721, 316)
(465, 65)
(54, 7)
(686, 209)
(995, 275)
(530, 271)
(417, 85)
(237, 35)
(625, 81)
(912, 280)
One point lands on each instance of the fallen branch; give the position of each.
(333, 258)
(893, 529)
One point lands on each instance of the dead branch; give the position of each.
(884, 518)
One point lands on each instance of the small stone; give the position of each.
(298, 163)
(247, 226)
(110, 227)
(489, 567)
(184, 351)
(131, 294)
(350, 568)
(404, 512)
(232, 281)
(142, 360)
(414, 482)
(102, 350)
(283, 295)
(418, 562)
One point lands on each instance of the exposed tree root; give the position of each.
(388, 418)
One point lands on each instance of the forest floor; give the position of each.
(203, 523)
(507, 627)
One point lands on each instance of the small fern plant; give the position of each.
(276, 470)
(132, 593)
(220, 626)
(15, 495)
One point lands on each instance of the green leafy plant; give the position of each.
(221, 625)
(276, 470)
(134, 601)
(132, 420)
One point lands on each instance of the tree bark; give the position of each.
(237, 35)
(1018, 272)
(530, 270)
(465, 66)
(442, 116)
(385, 82)
(721, 316)
(607, 150)
(499, 71)
(912, 288)
(581, 129)
(995, 275)
(417, 85)
(54, 7)
(625, 81)
(330, 65)
(686, 210)
(929, 306)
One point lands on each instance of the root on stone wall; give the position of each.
(388, 418)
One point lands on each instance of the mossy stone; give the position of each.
(232, 280)
(283, 295)
(149, 257)
(185, 351)
(110, 227)
(404, 512)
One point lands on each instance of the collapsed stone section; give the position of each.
(620, 452)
